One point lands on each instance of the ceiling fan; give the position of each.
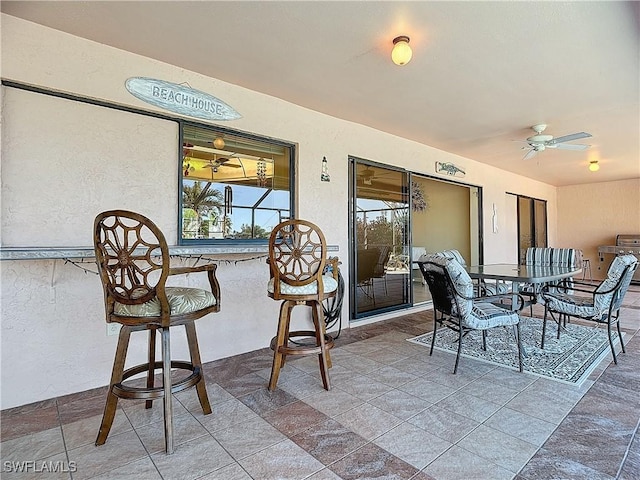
(540, 142)
(215, 163)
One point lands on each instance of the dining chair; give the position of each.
(600, 304)
(134, 265)
(380, 268)
(456, 307)
(367, 260)
(297, 259)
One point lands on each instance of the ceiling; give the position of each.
(482, 73)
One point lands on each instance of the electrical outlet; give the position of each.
(113, 329)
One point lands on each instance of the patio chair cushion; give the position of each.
(182, 300)
(330, 284)
(596, 306)
(491, 287)
(486, 315)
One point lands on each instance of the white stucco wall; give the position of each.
(53, 331)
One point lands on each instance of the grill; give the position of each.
(625, 244)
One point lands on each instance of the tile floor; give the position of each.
(394, 412)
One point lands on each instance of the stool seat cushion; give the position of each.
(182, 300)
(330, 284)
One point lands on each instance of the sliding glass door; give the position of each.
(532, 224)
(380, 236)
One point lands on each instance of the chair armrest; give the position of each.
(573, 288)
(210, 268)
(509, 296)
(185, 270)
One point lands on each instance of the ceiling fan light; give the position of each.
(401, 53)
(594, 166)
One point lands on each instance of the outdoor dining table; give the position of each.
(518, 275)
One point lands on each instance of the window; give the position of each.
(234, 187)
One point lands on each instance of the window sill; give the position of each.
(52, 253)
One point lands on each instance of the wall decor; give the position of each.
(418, 200)
(180, 99)
(324, 176)
(450, 169)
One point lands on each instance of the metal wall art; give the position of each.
(450, 169)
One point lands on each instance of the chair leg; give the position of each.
(455, 368)
(194, 351)
(619, 332)
(281, 340)
(544, 326)
(435, 328)
(152, 361)
(166, 383)
(318, 320)
(613, 351)
(484, 340)
(518, 339)
(116, 377)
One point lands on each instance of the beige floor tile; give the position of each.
(517, 424)
(118, 451)
(185, 429)
(333, 402)
(364, 387)
(84, 432)
(412, 444)
(226, 414)
(248, 438)
(282, 461)
(192, 459)
(477, 409)
(460, 464)
(499, 448)
(426, 389)
(230, 472)
(368, 421)
(142, 469)
(34, 446)
(400, 404)
(443, 423)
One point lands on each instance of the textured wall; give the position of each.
(592, 215)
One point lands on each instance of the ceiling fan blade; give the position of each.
(530, 154)
(569, 138)
(571, 146)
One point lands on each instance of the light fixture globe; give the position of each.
(218, 143)
(594, 166)
(401, 53)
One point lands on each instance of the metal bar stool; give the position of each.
(586, 266)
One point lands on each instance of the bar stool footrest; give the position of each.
(151, 393)
(301, 349)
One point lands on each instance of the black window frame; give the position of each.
(238, 133)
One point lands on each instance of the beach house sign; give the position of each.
(180, 99)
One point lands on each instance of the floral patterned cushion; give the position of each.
(330, 284)
(181, 300)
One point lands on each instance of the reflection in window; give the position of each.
(234, 187)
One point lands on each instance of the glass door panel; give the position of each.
(380, 227)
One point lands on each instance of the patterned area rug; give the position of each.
(570, 359)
